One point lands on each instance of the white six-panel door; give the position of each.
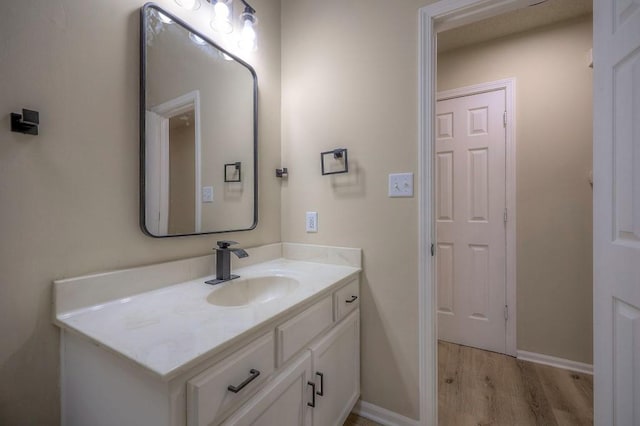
(470, 220)
(616, 158)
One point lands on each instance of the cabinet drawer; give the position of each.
(283, 401)
(294, 334)
(209, 396)
(347, 299)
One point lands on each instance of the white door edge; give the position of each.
(509, 86)
(433, 18)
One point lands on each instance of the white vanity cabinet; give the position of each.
(319, 381)
(299, 368)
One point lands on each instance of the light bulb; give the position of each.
(189, 4)
(164, 18)
(248, 36)
(221, 21)
(197, 39)
(221, 9)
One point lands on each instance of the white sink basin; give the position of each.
(247, 291)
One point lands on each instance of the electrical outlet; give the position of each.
(312, 222)
(401, 185)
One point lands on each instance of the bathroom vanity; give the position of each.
(157, 346)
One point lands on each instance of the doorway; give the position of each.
(436, 18)
(475, 216)
(173, 166)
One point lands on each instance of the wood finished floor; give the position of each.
(478, 388)
(354, 420)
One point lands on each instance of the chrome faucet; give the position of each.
(223, 261)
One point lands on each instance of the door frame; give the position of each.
(434, 18)
(508, 85)
(166, 110)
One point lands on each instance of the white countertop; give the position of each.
(170, 329)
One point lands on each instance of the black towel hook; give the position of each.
(26, 123)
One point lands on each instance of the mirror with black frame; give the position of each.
(198, 144)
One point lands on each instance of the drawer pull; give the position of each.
(353, 299)
(312, 404)
(254, 374)
(321, 391)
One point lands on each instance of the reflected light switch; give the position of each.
(207, 194)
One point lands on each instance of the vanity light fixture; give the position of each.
(189, 4)
(221, 21)
(248, 19)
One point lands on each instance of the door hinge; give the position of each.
(433, 250)
(504, 119)
(506, 312)
(506, 218)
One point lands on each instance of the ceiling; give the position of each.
(185, 119)
(539, 15)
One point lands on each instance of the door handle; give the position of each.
(353, 299)
(253, 375)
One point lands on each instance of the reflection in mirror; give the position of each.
(198, 146)
(182, 149)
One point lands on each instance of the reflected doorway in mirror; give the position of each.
(173, 164)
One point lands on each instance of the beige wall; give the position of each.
(349, 80)
(349, 74)
(554, 157)
(69, 197)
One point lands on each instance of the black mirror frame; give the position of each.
(142, 123)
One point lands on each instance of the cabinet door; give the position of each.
(283, 402)
(336, 372)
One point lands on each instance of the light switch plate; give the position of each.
(401, 185)
(207, 194)
(312, 222)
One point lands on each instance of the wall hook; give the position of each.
(26, 123)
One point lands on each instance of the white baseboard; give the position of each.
(382, 415)
(553, 361)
